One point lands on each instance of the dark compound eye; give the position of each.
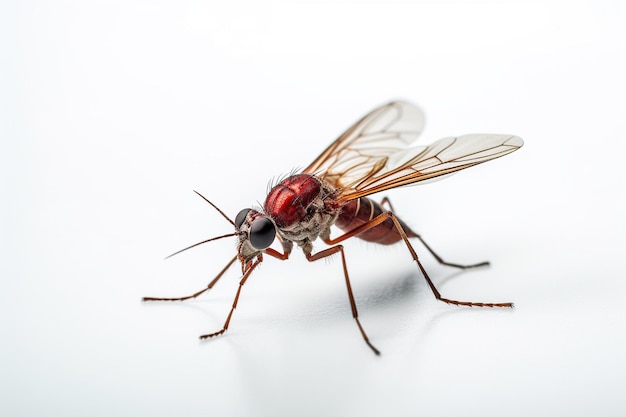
(241, 217)
(262, 233)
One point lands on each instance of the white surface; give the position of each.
(112, 112)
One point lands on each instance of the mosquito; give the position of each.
(373, 155)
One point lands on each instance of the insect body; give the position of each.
(370, 157)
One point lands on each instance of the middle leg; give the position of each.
(329, 252)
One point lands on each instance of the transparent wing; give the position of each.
(412, 165)
(364, 149)
(374, 154)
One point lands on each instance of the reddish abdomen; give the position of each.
(289, 201)
(362, 210)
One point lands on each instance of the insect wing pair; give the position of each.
(373, 155)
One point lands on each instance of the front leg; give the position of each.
(249, 268)
(194, 295)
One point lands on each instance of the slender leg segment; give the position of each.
(269, 251)
(235, 301)
(329, 252)
(439, 259)
(384, 201)
(194, 295)
(442, 262)
(384, 216)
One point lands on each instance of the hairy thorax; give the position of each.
(303, 208)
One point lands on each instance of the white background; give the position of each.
(112, 112)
